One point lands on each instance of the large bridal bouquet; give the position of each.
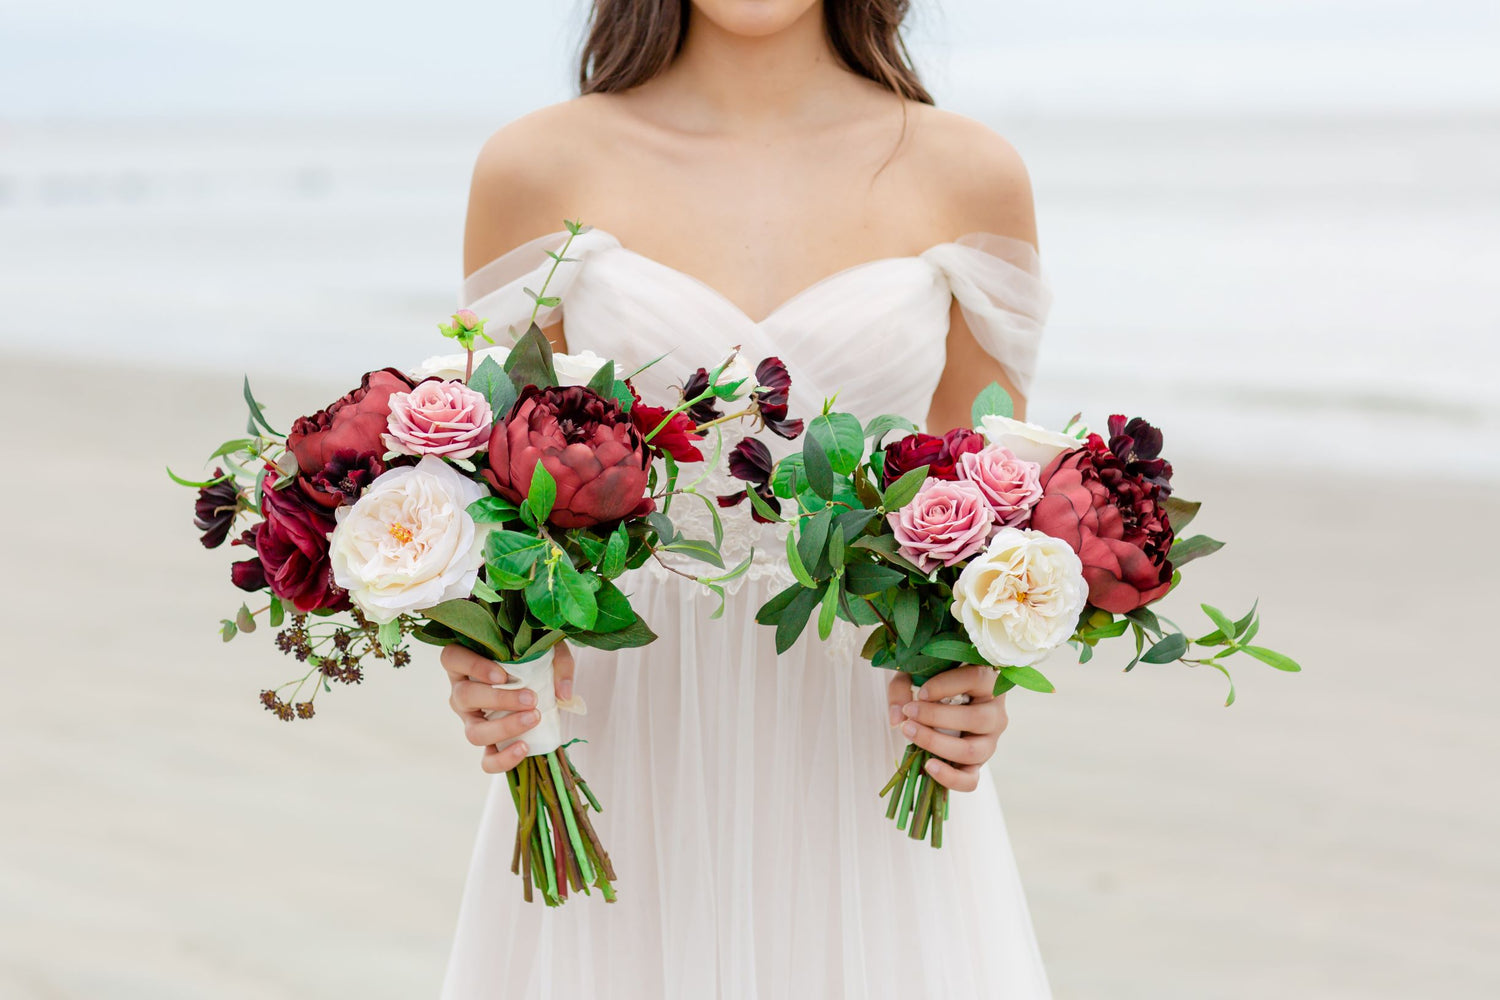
(992, 546)
(491, 504)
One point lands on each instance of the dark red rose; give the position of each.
(216, 509)
(678, 439)
(750, 461)
(355, 422)
(343, 479)
(292, 543)
(1114, 520)
(588, 444)
(775, 387)
(939, 454)
(705, 410)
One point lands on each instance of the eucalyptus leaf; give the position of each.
(1185, 550)
(1167, 649)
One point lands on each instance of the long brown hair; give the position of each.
(630, 41)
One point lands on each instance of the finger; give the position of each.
(976, 682)
(959, 749)
(563, 666)
(499, 761)
(975, 717)
(898, 694)
(483, 732)
(470, 696)
(461, 662)
(960, 779)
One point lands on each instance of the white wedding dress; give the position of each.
(740, 787)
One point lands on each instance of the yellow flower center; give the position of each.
(400, 532)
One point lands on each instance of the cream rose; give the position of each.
(572, 369)
(1029, 442)
(408, 543)
(1020, 598)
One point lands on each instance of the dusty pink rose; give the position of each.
(447, 419)
(1012, 485)
(945, 523)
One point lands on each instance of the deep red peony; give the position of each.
(939, 454)
(292, 543)
(677, 439)
(353, 423)
(1113, 518)
(587, 443)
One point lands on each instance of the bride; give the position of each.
(769, 174)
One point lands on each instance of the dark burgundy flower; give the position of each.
(750, 462)
(939, 454)
(356, 422)
(705, 410)
(771, 397)
(216, 510)
(587, 443)
(292, 543)
(678, 439)
(343, 479)
(1113, 518)
(1138, 445)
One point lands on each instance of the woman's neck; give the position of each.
(722, 81)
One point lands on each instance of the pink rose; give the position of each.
(945, 523)
(1011, 485)
(447, 419)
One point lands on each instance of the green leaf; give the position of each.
(836, 548)
(1027, 677)
(793, 618)
(953, 649)
(1185, 550)
(389, 635)
(887, 547)
(486, 593)
(615, 611)
(769, 611)
(1225, 671)
(228, 630)
(491, 510)
(812, 540)
(1147, 619)
(763, 508)
(841, 438)
(817, 468)
(1105, 631)
(543, 493)
(829, 609)
(906, 611)
(510, 558)
(666, 531)
(1180, 512)
(199, 484)
(1269, 656)
(613, 563)
(603, 380)
(244, 620)
(871, 578)
(637, 633)
(1226, 627)
(256, 415)
(790, 476)
(575, 596)
(697, 548)
(1168, 649)
(1140, 644)
(472, 621)
(882, 425)
(530, 361)
(277, 614)
(794, 562)
(854, 521)
(1002, 684)
(590, 544)
(900, 493)
(991, 401)
(230, 447)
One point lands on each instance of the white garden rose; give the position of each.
(1020, 598)
(408, 543)
(1030, 442)
(572, 369)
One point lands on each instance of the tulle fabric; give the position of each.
(739, 786)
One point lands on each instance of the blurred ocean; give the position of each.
(1312, 288)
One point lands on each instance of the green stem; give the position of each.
(565, 806)
(548, 280)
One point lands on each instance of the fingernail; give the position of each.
(565, 690)
(895, 716)
(910, 710)
(498, 676)
(527, 699)
(922, 693)
(531, 718)
(521, 749)
(910, 729)
(931, 767)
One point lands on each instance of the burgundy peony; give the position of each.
(215, 510)
(355, 422)
(588, 444)
(292, 543)
(1113, 518)
(939, 454)
(678, 439)
(750, 462)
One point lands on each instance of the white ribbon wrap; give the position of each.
(537, 676)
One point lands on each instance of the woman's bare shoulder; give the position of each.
(530, 175)
(978, 181)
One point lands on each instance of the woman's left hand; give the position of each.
(979, 723)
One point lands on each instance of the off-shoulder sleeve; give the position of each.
(998, 283)
(497, 291)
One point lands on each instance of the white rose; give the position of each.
(572, 369)
(1021, 597)
(1031, 442)
(408, 543)
(736, 370)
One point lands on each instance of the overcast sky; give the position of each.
(83, 58)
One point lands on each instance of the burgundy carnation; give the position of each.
(750, 461)
(587, 443)
(292, 543)
(356, 422)
(215, 510)
(775, 387)
(1113, 519)
(939, 454)
(678, 439)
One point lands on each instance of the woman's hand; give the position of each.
(471, 676)
(979, 723)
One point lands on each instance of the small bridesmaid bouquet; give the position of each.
(991, 546)
(492, 505)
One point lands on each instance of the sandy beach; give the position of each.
(1329, 837)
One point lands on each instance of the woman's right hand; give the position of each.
(471, 677)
